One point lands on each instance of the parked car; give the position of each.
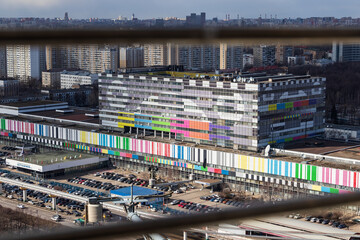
(21, 206)
(56, 218)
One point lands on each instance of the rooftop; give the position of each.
(32, 103)
(51, 157)
(246, 77)
(83, 115)
(137, 191)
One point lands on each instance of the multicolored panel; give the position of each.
(135, 148)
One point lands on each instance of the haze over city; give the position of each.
(161, 8)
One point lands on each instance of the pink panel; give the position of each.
(337, 172)
(122, 154)
(323, 175)
(327, 175)
(211, 169)
(344, 191)
(345, 178)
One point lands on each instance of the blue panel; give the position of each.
(279, 172)
(142, 126)
(286, 169)
(325, 189)
(281, 106)
(135, 156)
(142, 120)
(224, 172)
(178, 149)
(196, 167)
(110, 152)
(276, 167)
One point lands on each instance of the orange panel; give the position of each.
(197, 135)
(199, 125)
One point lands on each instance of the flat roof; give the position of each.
(31, 103)
(51, 157)
(78, 115)
(137, 191)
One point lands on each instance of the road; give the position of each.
(35, 211)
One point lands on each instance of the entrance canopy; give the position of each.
(209, 182)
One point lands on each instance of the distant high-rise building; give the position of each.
(92, 58)
(349, 52)
(199, 57)
(264, 56)
(230, 56)
(196, 20)
(160, 54)
(131, 57)
(66, 17)
(282, 53)
(25, 62)
(3, 71)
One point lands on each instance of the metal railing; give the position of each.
(207, 35)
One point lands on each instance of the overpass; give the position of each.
(57, 193)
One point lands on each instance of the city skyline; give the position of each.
(159, 9)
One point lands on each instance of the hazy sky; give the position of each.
(166, 8)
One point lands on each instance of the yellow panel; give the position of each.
(239, 161)
(104, 151)
(262, 160)
(126, 118)
(190, 166)
(125, 113)
(96, 135)
(121, 125)
(316, 188)
(244, 162)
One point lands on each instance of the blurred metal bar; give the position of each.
(181, 35)
(167, 224)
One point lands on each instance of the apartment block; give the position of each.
(25, 62)
(248, 112)
(71, 79)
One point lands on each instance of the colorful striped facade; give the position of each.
(237, 115)
(223, 163)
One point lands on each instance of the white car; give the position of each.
(21, 206)
(10, 196)
(56, 218)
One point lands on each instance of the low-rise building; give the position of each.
(9, 87)
(69, 79)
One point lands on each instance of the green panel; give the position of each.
(161, 129)
(334, 190)
(313, 174)
(289, 105)
(123, 143)
(204, 169)
(3, 124)
(301, 171)
(161, 123)
(297, 170)
(288, 139)
(308, 172)
(127, 143)
(117, 153)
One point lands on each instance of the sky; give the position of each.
(145, 9)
